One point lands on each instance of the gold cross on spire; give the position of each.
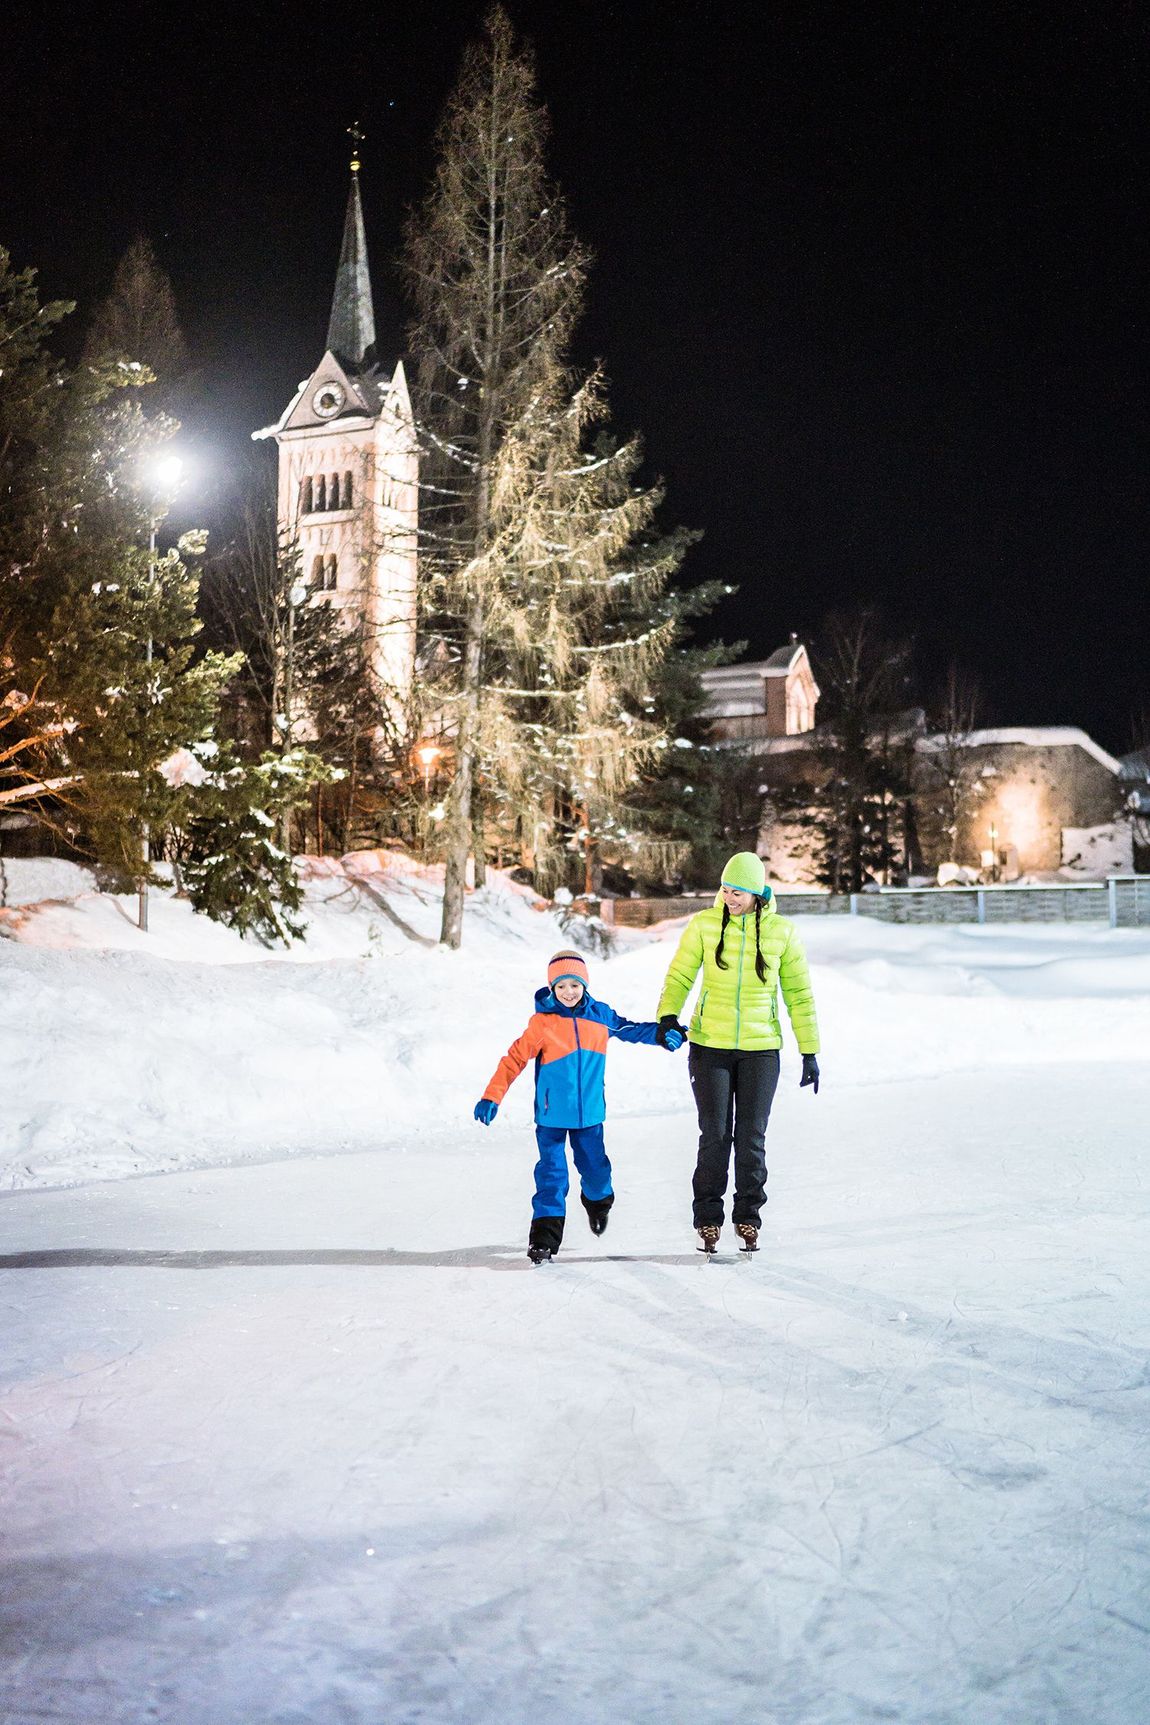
(357, 135)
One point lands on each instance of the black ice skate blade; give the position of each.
(747, 1251)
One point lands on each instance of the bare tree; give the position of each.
(947, 780)
(308, 678)
(862, 751)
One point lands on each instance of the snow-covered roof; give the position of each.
(1033, 737)
(783, 659)
(1136, 765)
(734, 691)
(738, 691)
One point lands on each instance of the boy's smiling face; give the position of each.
(567, 991)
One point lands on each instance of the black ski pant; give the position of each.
(733, 1090)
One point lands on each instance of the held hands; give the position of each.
(671, 1034)
(810, 1072)
(486, 1111)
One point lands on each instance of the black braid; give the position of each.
(760, 968)
(719, 959)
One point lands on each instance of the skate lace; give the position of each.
(709, 1232)
(746, 1230)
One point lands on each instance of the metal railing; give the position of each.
(1123, 901)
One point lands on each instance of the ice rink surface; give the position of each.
(308, 1440)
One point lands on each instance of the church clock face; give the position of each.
(328, 399)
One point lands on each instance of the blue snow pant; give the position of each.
(551, 1176)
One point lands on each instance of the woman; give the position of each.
(747, 952)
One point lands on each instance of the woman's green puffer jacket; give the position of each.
(735, 1009)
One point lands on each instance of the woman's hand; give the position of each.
(810, 1072)
(671, 1033)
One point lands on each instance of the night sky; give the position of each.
(872, 279)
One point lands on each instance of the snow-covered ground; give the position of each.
(306, 1440)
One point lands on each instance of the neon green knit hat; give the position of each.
(745, 872)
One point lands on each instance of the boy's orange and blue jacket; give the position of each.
(569, 1047)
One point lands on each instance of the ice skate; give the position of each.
(749, 1235)
(598, 1210)
(709, 1235)
(545, 1238)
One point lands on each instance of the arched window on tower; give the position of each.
(347, 490)
(331, 573)
(317, 572)
(321, 492)
(333, 491)
(305, 497)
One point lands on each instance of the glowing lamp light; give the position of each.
(167, 471)
(427, 754)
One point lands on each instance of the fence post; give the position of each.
(980, 898)
(854, 903)
(1112, 897)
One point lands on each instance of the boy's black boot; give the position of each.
(545, 1238)
(598, 1210)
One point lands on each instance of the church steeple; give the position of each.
(351, 329)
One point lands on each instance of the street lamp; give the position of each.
(427, 755)
(162, 476)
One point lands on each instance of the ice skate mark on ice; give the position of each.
(387, 1258)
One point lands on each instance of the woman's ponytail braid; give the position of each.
(760, 967)
(719, 959)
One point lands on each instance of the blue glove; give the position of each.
(486, 1111)
(810, 1072)
(671, 1034)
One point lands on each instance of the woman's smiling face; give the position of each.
(738, 903)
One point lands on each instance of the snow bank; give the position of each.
(29, 880)
(122, 1053)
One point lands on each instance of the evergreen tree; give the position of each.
(138, 324)
(231, 863)
(568, 720)
(541, 573)
(705, 800)
(97, 630)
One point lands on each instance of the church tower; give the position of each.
(349, 470)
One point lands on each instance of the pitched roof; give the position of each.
(351, 329)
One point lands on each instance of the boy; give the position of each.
(567, 1038)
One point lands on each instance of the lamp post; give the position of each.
(994, 852)
(427, 754)
(297, 593)
(164, 478)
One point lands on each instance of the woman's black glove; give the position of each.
(671, 1034)
(810, 1072)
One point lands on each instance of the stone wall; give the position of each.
(1030, 792)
